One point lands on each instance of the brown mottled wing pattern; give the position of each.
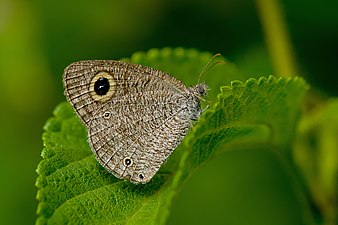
(142, 129)
(138, 127)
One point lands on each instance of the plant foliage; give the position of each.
(74, 188)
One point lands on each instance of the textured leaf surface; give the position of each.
(74, 188)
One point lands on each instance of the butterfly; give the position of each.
(136, 116)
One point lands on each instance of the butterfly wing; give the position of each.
(135, 135)
(124, 79)
(135, 124)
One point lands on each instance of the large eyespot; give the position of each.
(102, 87)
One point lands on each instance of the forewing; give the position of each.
(126, 79)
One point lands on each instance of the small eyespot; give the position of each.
(141, 176)
(128, 162)
(106, 115)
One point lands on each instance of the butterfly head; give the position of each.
(200, 90)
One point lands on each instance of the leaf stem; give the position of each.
(298, 186)
(277, 37)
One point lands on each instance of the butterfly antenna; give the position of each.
(207, 67)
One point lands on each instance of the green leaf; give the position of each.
(255, 112)
(74, 188)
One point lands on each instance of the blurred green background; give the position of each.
(38, 39)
